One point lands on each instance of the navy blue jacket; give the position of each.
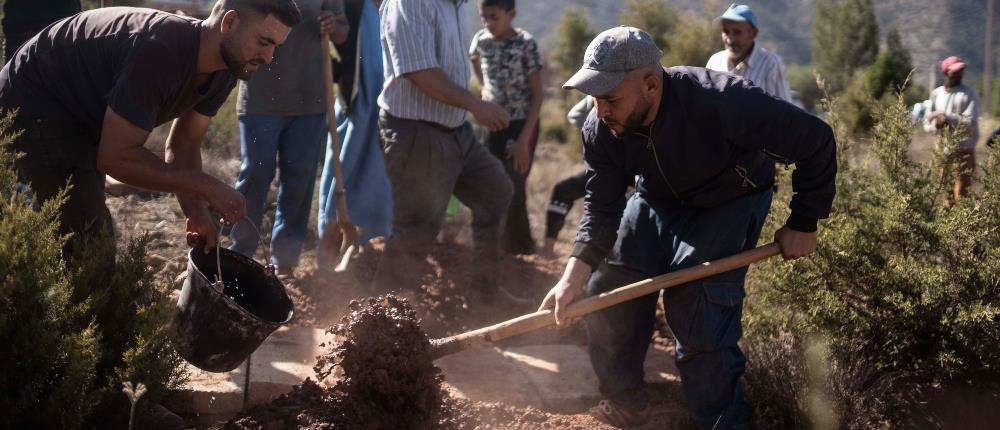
(715, 138)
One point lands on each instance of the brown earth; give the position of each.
(322, 299)
(389, 381)
(311, 407)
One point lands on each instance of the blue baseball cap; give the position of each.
(738, 13)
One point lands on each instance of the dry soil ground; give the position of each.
(321, 297)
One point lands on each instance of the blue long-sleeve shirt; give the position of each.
(715, 138)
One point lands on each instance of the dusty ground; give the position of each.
(389, 381)
(321, 297)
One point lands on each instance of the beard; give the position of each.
(633, 124)
(236, 66)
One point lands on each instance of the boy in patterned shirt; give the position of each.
(508, 66)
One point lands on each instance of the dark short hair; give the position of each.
(504, 4)
(285, 11)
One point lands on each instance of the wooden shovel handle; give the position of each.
(331, 120)
(545, 318)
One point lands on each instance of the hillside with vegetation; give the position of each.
(930, 30)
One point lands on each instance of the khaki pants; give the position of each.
(962, 167)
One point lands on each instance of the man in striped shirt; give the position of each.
(430, 150)
(743, 57)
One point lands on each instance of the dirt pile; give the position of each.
(311, 407)
(388, 381)
(388, 373)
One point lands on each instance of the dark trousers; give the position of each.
(658, 237)
(57, 153)
(427, 164)
(564, 194)
(517, 232)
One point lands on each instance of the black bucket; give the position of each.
(218, 328)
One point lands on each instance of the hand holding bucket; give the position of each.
(219, 324)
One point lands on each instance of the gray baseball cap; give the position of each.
(612, 55)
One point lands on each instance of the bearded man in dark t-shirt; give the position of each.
(88, 91)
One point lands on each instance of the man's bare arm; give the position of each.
(122, 155)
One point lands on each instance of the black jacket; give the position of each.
(715, 138)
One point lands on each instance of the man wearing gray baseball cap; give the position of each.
(703, 145)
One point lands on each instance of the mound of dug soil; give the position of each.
(389, 382)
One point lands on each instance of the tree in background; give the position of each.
(686, 38)
(879, 83)
(656, 17)
(891, 67)
(802, 79)
(693, 40)
(845, 39)
(573, 34)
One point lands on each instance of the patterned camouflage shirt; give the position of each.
(506, 65)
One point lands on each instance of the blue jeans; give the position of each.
(294, 144)
(656, 237)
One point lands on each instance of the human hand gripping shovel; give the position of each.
(350, 234)
(545, 318)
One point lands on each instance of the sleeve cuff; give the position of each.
(588, 254)
(414, 66)
(801, 223)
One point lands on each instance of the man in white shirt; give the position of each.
(743, 57)
(955, 106)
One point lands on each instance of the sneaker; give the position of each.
(614, 414)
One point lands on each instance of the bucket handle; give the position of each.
(218, 252)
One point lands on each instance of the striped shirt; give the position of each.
(762, 67)
(419, 35)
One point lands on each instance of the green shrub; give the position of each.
(656, 17)
(901, 285)
(693, 40)
(802, 79)
(845, 39)
(74, 329)
(132, 313)
(573, 34)
(46, 371)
